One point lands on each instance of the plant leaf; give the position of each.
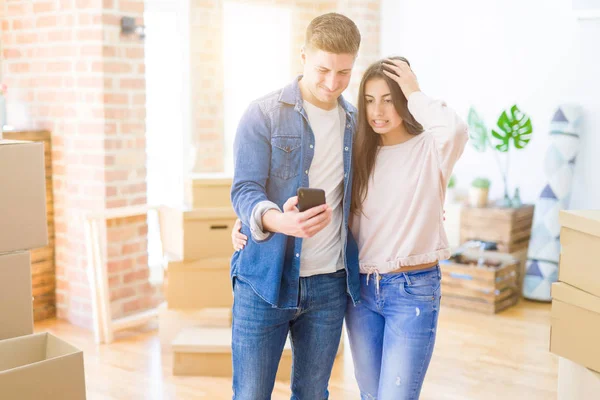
(516, 126)
(478, 133)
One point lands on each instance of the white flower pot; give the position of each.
(478, 197)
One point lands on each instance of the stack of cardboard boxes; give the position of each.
(195, 322)
(32, 366)
(197, 315)
(576, 306)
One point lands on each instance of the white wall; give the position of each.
(492, 54)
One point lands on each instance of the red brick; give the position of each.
(83, 4)
(116, 98)
(116, 113)
(92, 50)
(136, 7)
(46, 21)
(18, 68)
(60, 66)
(46, 6)
(132, 305)
(111, 20)
(89, 34)
(90, 82)
(133, 83)
(133, 128)
(131, 248)
(121, 293)
(22, 23)
(116, 175)
(27, 38)
(60, 36)
(117, 68)
(135, 52)
(17, 9)
(141, 274)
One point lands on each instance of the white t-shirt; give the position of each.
(321, 254)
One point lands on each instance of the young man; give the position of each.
(296, 271)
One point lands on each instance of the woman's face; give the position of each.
(381, 113)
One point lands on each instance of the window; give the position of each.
(256, 53)
(167, 112)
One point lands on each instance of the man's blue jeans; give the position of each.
(260, 332)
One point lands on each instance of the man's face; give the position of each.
(326, 75)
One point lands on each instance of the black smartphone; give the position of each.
(309, 198)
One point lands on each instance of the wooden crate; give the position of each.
(42, 259)
(510, 228)
(487, 289)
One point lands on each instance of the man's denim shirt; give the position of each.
(273, 151)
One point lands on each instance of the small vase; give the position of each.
(478, 197)
(516, 201)
(506, 202)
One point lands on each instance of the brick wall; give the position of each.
(69, 70)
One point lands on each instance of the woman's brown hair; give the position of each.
(367, 142)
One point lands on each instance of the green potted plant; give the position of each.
(513, 131)
(479, 191)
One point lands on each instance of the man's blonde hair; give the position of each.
(333, 33)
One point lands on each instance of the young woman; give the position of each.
(405, 149)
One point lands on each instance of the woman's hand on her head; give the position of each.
(401, 72)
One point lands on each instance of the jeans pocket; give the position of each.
(421, 291)
(285, 157)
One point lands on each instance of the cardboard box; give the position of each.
(16, 304)
(23, 196)
(40, 366)
(575, 325)
(173, 321)
(575, 382)
(191, 235)
(580, 242)
(207, 352)
(199, 284)
(208, 190)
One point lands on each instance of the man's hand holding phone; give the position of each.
(316, 215)
(293, 222)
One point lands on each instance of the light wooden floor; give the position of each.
(476, 357)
